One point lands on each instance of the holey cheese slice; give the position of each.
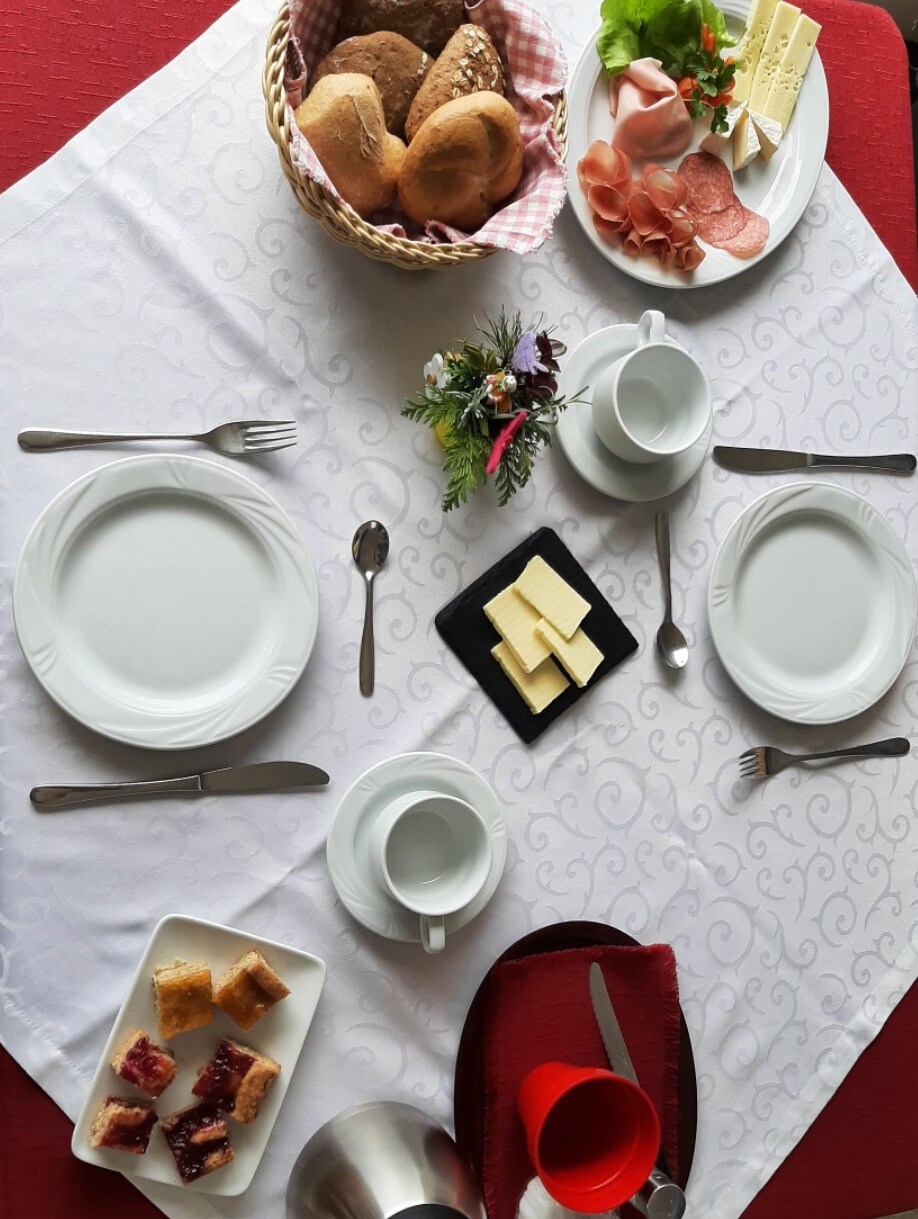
(779, 36)
(750, 46)
(538, 688)
(515, 621)
(785, 86)
(552, 597)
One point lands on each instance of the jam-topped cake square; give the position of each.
(198, 1139)
(123, 1124)
(249, 989)
(139, 1061)
(184, 998)
(236, 1080)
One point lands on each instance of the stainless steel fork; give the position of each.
(235, 439)
(765, 760)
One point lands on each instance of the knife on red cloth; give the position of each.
(660, 1197)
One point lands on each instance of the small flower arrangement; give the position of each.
(492, 405)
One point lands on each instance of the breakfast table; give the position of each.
(159, 275)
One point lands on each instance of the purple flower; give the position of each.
(525, 356)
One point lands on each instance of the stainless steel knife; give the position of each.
(912, 1214)
(660, 1197)
(770, 461)
(258, 777)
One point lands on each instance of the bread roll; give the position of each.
(469, 63)
(343, 120)
(396, 65)
(467, 157)
(429, 24)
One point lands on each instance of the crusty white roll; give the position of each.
(465, 158)
(343, 120)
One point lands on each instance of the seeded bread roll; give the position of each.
(429, 24)
(469, 63)
(396, 65)
(343, 120)
(467, 157)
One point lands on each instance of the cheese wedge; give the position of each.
(745, 142)
(515, 621)
(540, 687)
(785, 85)
(551, 596)
(579, 655)
(769, 132)
(779, 36)
(716, 141)
(750, 46)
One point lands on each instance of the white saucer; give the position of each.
(586, 452)
(348, 850)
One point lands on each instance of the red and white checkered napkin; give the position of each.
(537, 70)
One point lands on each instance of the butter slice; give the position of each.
(540, 687)
(579, 654)
(716, 141)
(515, 620)
(779, 36)
(745, 142)
(552, 597)
(769, 132)
(785, 86)
(750, 46)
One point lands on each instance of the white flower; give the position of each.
(434, 373)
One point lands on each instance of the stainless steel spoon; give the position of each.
(671, 643)
(370, 549)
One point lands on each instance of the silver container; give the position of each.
(382, 1160)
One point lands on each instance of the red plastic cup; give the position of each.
(593, 1136)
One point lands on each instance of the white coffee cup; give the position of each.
(432, 852)
(654, 402)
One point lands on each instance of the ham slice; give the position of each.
(651, 119)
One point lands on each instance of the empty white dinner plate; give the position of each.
(812, 603)
(165, 601)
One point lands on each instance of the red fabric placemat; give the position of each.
(537, 1009)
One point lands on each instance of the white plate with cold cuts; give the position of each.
(812, 603)
(348, 845)
(779, 190)
(165, 601)
(601, 468)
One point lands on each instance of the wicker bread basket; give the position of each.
(337, 218)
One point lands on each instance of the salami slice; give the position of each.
(709, 184)
(718, 227)
(751, 237)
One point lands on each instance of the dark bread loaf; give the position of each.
(429, 24)
(396, 65)
(469, 63)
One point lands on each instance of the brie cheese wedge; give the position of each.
(716, 141)
(769, 132)
(745, 142)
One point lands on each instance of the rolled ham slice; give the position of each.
(651, 119)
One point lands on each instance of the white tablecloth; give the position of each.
(158, 272)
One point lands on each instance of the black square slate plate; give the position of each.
(465, 627)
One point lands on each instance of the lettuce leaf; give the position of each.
(667, 30)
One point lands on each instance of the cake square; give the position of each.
(198, 1139)
(236, 1080)
(184, 998)
(249, 989)
(139, 1061)
(123, 1124)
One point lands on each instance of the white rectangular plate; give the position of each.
(280, 1034)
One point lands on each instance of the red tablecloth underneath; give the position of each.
(62, 65)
